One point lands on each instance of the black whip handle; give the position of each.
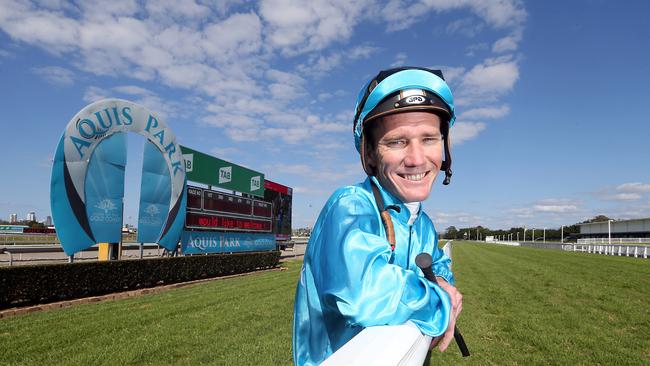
(424, 261)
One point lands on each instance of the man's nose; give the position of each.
(414, 154)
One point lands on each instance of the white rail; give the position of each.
(408, 347)
(613, 240)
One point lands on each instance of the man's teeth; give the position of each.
(415, 177)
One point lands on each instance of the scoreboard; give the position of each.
(213, 210)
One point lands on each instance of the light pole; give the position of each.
(544, 235)
(562, 235)
(525, 234)
(609, 231)
(517, 235)
(533, 238)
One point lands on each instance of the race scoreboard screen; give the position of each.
(213, 210)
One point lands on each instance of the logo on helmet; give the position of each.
(415, 99)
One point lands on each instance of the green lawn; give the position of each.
(522, 306)
(238, 321)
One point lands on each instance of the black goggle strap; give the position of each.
(385, 216)
(446, 165)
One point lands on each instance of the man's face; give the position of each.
(408, 154)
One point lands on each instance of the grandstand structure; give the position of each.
(617, 229)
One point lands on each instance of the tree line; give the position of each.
(552, 234)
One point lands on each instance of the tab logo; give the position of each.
(225, 174)
(189, 162)
(255, 183)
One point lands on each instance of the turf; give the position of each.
(239, 321)
(526, 306)
(522, 306)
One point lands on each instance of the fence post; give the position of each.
(636, 250)
(645, 252)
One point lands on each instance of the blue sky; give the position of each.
(552, 97)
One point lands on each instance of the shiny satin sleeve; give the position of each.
(354, 277)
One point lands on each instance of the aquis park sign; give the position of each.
(208, 204)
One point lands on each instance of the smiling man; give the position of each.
(359, 268)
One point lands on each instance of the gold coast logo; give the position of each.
(105, 212)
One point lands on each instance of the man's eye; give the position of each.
(396, 143)
(432, 140)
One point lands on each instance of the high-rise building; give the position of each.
(13, 218)
(48, 221)
(31, 216)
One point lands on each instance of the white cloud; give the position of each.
(401, 14)
(93, 94)
(458, 219)
(230, 59)
(400, 59)
(492, 78)
(362, 52)
(451, 73)
(500, 13)
(485, 112)
(319, 66)
(238, 35)
(464, 131)
(176, 9)
(506, 44)
(624, 197)
(555, 208)
(56, 75)
(44, 28)
(465, 26)
(302, 26)
(132, 89)
(634, 187)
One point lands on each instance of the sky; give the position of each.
(552, 97)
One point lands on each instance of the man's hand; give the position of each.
(456, 308)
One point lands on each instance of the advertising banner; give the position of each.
(155, 190)
(201, 242)
(74, 167)
(105, 189)
(206, 169)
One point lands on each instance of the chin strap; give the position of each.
(446, 165)
(385, 216)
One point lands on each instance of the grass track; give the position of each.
(239, 321)
(525, 306)
(522, 306)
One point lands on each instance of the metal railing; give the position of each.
(613, 240)
(621, 250)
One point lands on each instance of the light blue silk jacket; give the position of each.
(351, 279)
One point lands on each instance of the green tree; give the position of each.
(451, 233)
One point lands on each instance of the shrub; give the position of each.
(28, 285)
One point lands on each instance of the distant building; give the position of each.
(636, 228)
(13, 218)
(31, 216)
(48, 221)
